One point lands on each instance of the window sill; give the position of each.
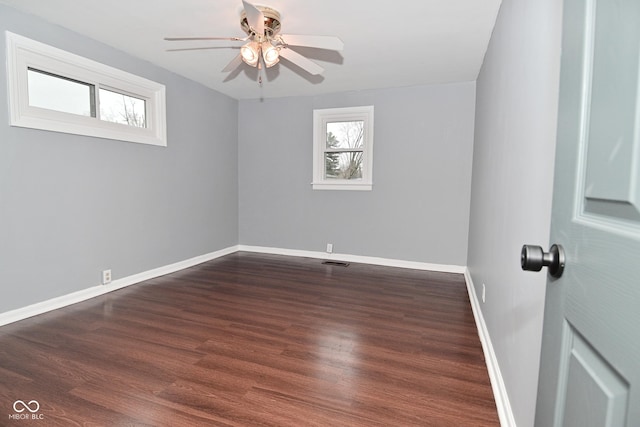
(339, 186)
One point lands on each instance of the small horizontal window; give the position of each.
(51, 89)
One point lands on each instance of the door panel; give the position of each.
(612, 61)
(590, 362)
(594, 394)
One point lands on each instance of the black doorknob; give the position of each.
(533, 258)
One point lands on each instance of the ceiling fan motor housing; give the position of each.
(271, 22)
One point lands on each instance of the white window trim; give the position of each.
(24, 53)
(320, 120)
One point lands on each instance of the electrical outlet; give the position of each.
(484, 292)
(329, 248)
(106, 277)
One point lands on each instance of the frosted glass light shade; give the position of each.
(270, 54)
(249, 53)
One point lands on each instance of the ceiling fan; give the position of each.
(265, 45)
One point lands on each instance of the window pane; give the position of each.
(59, 93)
(119, 108)
(345, 134)
(343, 165)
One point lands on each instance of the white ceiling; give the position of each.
(387, 43)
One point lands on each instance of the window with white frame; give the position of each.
(343, 148)
(51, 89)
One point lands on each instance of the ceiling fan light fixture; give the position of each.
(264, 45)
(249, 53)
(270, 54)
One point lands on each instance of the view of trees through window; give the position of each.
(344, 150)
(124, 109)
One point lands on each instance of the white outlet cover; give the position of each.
(106, 277)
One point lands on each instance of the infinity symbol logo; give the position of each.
(26, 406)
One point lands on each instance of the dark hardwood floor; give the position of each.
(255, 340)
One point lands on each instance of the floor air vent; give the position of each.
(337, 263)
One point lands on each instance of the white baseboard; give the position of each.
(505, 413)
(85, 294)
(388, 262)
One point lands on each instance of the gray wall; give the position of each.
(513, 157)
(418, 208)
(72, 206)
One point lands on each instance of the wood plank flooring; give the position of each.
(255, 340)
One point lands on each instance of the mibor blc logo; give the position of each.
(26, 411)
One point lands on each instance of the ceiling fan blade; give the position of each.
(235, 39)
(183, 49)
(235, 62)
(255, 18)
(320, 42)
(302, 62)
